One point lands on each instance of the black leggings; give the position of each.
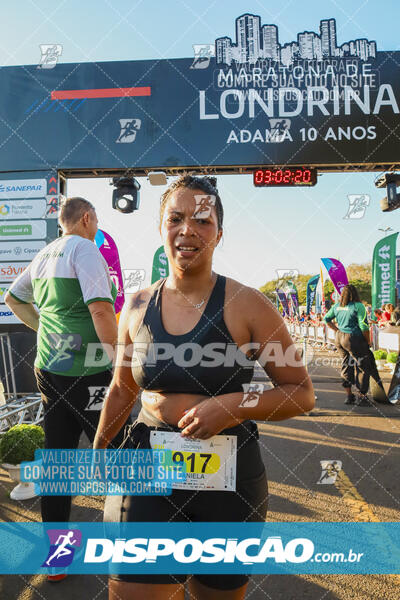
(248, 503)
(71, 405)
(358, 363)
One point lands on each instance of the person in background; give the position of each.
(377, 318)
(70, 284)
(352, 343)
(395, 318)
(368, 309)
(387, 313)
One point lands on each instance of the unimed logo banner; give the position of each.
(383, 271)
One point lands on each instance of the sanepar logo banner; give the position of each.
(291, 548)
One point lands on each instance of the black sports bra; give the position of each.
(205, 360)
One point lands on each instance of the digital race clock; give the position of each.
(289, 176)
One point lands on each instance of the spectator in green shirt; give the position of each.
(352, 343)
(69, 282)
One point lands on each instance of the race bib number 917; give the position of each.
(209, 464)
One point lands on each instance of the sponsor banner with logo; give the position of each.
(23, 209)
(292, 295)
(28, 211)
(7, 317)
(17, 250)
(10, 270)
(310, 295)
(191, 548)
(22, 230)
(384, 271)
(23, 188)
(3, 290)
(109, 251)
(160, 265)
(283, 300)
(336, 272)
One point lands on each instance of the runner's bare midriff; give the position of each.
(169, 407)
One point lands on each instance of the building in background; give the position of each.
(248, 28)
(328, 37)
(257, 42)
(270, 42)
(223, 50)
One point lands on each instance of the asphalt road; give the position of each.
(365, 440)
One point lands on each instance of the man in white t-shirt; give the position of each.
(69, 282)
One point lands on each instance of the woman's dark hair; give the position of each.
(206, 184)
(377, 311)
(349, 294)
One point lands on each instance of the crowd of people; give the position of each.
(386, 316)
(309, 319)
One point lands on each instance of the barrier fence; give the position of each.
(324, 336)
(10, 388)
(15, 410)
(27, 410)
(315, 335)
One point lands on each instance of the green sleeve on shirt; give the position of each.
(330, 315)
(99, 300)
(16, 298)
(362, 316)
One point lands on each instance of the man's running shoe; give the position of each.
(363, 400)
(350, 399)
(54, 578)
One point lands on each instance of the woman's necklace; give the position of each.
(197, 306)
(200, 304)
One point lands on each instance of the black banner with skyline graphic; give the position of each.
(255, 101)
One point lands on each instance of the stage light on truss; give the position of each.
(392, 199)
(126, 195)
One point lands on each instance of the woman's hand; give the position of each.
(211, 416)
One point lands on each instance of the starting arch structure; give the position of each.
(235, 107)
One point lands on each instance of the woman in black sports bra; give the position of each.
(196, 336)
